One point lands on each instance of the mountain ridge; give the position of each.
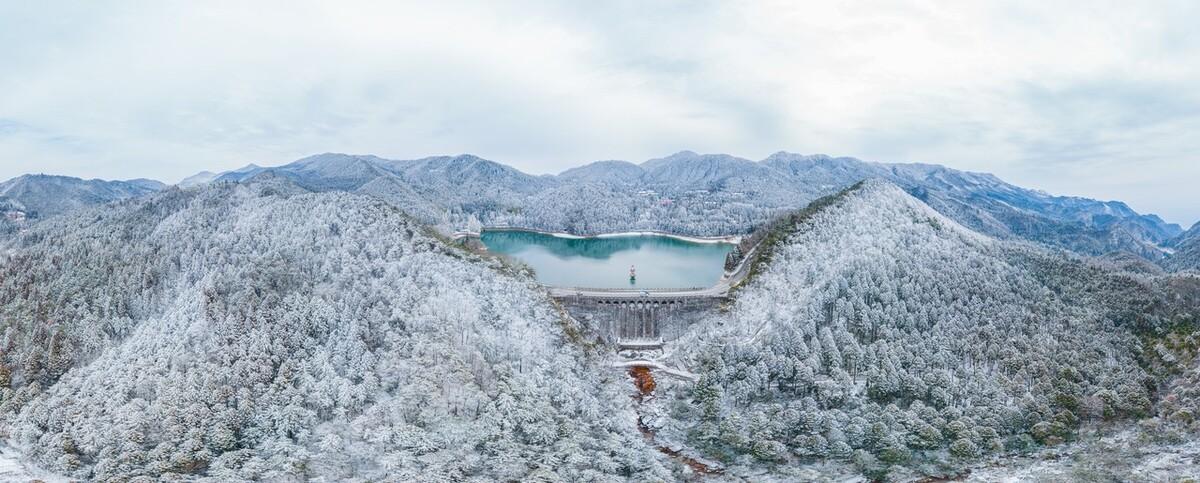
(274, 327)
(885, 332)
(44, 195)
(264, 331)
(1185, 251)
(713, 188)
(713, 194)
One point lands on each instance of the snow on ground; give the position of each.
(730, 239)
(13, 469)
(1123, 456)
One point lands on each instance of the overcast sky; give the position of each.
(1095, 98)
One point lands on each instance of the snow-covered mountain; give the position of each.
(690, 171)
(198, 179)
(328, 172)
(443, 176)
(880, 331)
(441, 173)
(688, 193)
(989, 205)
(1185, 251)
(429, 189)
(205, 177)
(43, 196)
(261, 331)
(616, 172)
(716, 194)
(302, 323)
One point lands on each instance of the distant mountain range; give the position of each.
(41, 195)
(708, 194)
(1185, 250)
(700, 194)
(871, 309)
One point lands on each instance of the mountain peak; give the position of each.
(332, 159)
(877, 188)
(605, 171)
(784, 156)
(464, 159)
(48, 195)
(198, 179)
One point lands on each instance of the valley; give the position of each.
(599, 242)
(281, 325)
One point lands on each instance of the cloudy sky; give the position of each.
(1091, 98)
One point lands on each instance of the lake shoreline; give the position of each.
(607, 261)
(729, 239)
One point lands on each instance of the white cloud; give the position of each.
(1090, 98)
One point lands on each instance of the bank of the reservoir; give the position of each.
(729, 239)
(659, 260)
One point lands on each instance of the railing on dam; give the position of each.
(625, 315)
(632, 290)
(626, 295)
(637, 300)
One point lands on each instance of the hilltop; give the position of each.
(42, 196)
(883, 333)
(263, 331)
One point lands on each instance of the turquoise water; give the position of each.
(661, 262)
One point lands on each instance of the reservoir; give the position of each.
(603, 262)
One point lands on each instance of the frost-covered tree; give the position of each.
(899, 335)
(260, 331)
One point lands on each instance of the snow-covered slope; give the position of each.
(203, 177)
(43, 196)
(716, 194)
(614, 172)
(262, 331)
(881, 331)
(465, 172)
(1185, 253)
(322, 172)
(690, 171)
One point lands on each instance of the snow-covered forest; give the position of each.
(259, 331)
(599, 242)
(882, 333)
(685, 193)
(1185, 251)
(713, 194)
(272, 329)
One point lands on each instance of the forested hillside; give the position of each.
(880, 332)
(307, 322)
(37, 196)
(261, 331)
(1185, 251)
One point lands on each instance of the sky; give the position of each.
(1087, 98)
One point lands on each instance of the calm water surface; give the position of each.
(662, 262)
